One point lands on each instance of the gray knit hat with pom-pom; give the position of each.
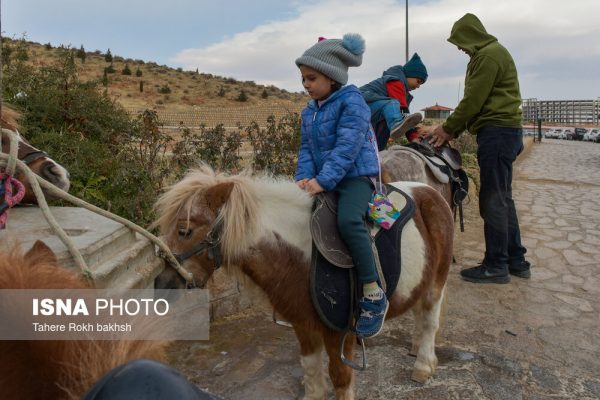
(332, 57)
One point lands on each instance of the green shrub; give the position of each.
(126, 70)
(275, 148)
(108, 57)
(164, 89)
(242, 97)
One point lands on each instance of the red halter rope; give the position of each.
(7, 185)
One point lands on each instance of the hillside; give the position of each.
(175, 94)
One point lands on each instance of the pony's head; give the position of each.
(199, 217)
(37, 160)
(210, 218)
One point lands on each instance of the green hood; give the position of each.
(468, 33)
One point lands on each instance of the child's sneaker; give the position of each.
(400, 128)
(373, 309)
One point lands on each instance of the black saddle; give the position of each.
(333, 283)
(452, 166)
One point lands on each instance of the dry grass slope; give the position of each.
(177, 95)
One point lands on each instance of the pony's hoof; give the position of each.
(420, 376)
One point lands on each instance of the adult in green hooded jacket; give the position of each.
(490, 110)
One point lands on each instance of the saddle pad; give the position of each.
(334, 290)
(323, 226)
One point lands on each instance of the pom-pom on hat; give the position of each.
(415, 68)
(332, 57)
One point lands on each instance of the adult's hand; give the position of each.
(438, 137)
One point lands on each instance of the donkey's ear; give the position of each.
(42, 251)
(217, 195)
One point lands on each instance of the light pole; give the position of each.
(406, 30)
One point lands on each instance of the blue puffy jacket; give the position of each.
(335, 139)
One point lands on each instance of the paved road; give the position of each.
(530, 339)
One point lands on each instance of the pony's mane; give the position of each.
(243, 215)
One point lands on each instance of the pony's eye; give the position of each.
(184, 233)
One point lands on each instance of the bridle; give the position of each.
(26, 153)
(210, 243)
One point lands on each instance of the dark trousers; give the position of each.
(354, 196)
(497, 149)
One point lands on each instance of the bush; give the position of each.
(276, 148)
(242, 96)
(164, 89)
(126, 70)
(110, 69)
(138, 72)
(108, 57)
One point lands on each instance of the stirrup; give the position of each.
(349, 362)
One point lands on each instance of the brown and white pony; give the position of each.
(32, 370)
(37, 160)
(265, 237)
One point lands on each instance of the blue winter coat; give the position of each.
(376, 90)
(335, 139)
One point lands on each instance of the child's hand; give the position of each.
(302, 183)
(313, 187)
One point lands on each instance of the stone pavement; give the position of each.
(530, 339)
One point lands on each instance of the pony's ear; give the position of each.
(41, 250)
(217, 195)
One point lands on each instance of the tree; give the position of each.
(81, 54)
(141, 86)
(242, 96)
(126, 70)
(138, 72)
(264, 93)
(108, 56)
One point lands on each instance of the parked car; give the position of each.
(580, 133)
(553, 133)
(566, 134)
(591, 135)
(595, 135)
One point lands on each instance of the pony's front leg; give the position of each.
(311, 350)
(341, 375)
(426, 359)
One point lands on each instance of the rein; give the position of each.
(210, 243)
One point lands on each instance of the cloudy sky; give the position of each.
(555, 43)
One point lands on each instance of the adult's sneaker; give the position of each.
(522, 269)
(484, 274)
